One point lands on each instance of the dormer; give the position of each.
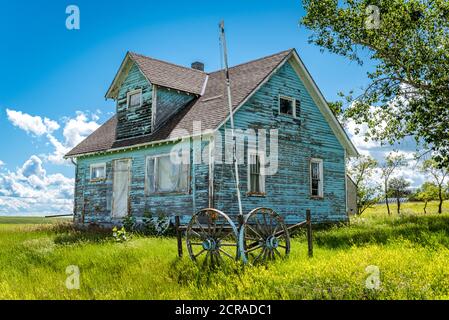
(148, 92)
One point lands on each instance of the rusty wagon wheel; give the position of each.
(263, 236)
(211, 238)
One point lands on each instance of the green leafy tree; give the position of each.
(408, 41)
(391, 164)
(439, 175)
(361, 170)
(427, 192)
(398, 188)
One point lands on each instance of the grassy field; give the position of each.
(410, 252)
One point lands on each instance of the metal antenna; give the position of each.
(231, 114)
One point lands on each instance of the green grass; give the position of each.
(411, 252)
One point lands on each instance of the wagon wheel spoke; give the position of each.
(277, 252)
(256, 233)
(228, 244)
(220, 258)
(254, 248)
(225, 253)
(260, 254)
(201, 227)
(196, 233)
(199, 253)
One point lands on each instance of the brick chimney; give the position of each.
(198, 65)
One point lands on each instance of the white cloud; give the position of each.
(375, 149)
(1, 163)
(74, 131)
(32, 124)
(31, 191)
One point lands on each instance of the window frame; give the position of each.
(293, 100)
(319, 161)
(157, 192)
(262, 179)
(131, 93)
(97, 165)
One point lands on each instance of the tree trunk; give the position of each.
(425, 206)
(386, 198)
(440, 196)
(398, 200)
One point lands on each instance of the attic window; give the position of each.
(134, 99)
(287, 105)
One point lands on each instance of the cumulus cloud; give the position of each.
(74, 130)
(35, 125)
(1, 163)
(29, 190)
(375, 149)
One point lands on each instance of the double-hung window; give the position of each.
(166, 176)
(316, 178)
(97, 171)
(256, 177)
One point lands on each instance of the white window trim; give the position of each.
(321, 184)
(97, 165)
(287, 98)
(132, 92)
(261, 155)
(147, 189)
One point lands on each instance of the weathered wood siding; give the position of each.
(168, 102)
(134, 121)
(308, 136)
(94, 199)
(288, 191)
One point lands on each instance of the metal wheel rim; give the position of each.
(212, 243)
(258, 245)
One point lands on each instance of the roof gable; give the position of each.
(160, 73)
(211, 108)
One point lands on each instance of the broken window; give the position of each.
(316, 177)
(256, 181)
(164, 175)
(287, 106)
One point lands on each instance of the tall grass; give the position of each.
(411, 252)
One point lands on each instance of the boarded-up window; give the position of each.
(164, 175)
(256, 180)
(316, 177)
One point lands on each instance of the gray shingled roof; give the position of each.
(170, 75)
(210, 108)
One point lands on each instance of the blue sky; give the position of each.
(59, 77)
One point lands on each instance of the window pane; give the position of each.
(150, 174)
(286, 106)
(98, 172)
(171, 176)
(254, 173)
(315, 170)
(134, 100)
